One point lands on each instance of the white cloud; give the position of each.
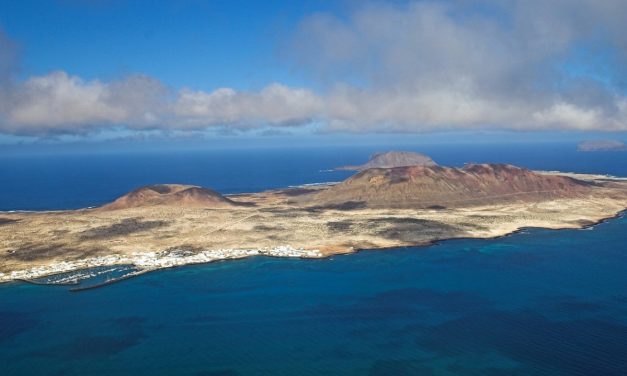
(415, 67)
(274, 105)
(59, 103)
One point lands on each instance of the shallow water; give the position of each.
(540, 302)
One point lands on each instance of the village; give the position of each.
(147, 261)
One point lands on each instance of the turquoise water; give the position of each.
(539, 302)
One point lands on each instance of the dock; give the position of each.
(109, 281)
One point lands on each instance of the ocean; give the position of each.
(538, 302)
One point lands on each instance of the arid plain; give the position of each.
(374, 211)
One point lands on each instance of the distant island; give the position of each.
(167, 225)
(602, 145)
(392, 159)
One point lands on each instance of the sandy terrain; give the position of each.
(41, 239)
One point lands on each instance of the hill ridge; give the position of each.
(424, 186)
(391, 159)
(170, 195)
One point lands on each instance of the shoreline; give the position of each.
(38, 244)
(150, 261)
(170, 260)
(620, 214)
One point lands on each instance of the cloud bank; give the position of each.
(414, 67)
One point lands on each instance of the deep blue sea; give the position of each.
(539, 302)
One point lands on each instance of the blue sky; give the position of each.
(88, 70)
(197, 44)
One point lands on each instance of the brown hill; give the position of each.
(435, 186)
(170, 195)
(393, 159)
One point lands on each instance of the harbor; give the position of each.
(102, 271)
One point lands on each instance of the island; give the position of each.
(392, 159)
(167, 225)
(602, 145)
